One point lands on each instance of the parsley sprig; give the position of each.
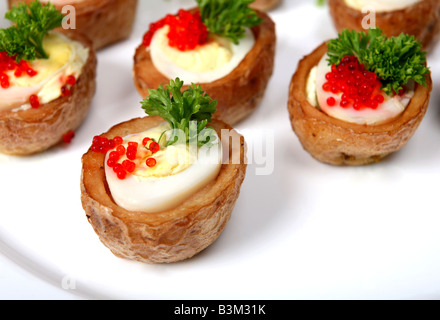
(395, 60)
(31, 23)
(228, 18)
(189, 111)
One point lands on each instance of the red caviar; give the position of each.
(154, 147)
(151, 162)
(111, 162)
(187, 30)
(121, 173)
(10, 64)
(4, 81)
(71, 80)
(331, 101)
(131, 152)
(68, 136)
(103, 144)
(121, 150)
(66, 89)
(129, 166)
(114, 155)
(34, 101)
(118, 140)
(117, 151)
(360, 88)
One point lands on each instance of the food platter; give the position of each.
(300, 229)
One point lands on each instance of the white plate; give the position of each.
(307, 231)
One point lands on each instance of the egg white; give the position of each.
(46, 84)
(156, 194)
(171, 70)
(389, 109)
(381, 5)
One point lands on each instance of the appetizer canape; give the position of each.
(47, 80)
(105, 22)
(161, 188)
(420, 18)
(224, 46)
(265, 5)
(359, 97)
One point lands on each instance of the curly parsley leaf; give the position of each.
(32, 22)
(228, 18)
(189, 111)
(395, 60)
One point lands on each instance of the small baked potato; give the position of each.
(265, 5)
(421, 20)
(240, 92)
(31, 131)
(337, 142)
(105, 22)
(171, 235)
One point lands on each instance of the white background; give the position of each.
(307, 231)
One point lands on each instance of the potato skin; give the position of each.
(240, 92)
(265, 5)
(35, 130)
(163, 237)
(421, 20)
(105, 22)
(337, 142)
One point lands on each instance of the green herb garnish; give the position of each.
(395, 60)
(187, 112)
(32, 22)
(228, 18)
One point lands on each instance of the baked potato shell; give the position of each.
(31, 131)
(265, 5)
(239, 93)
(421, 20)
(168, 236)
(337, 142)
(105, 22)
